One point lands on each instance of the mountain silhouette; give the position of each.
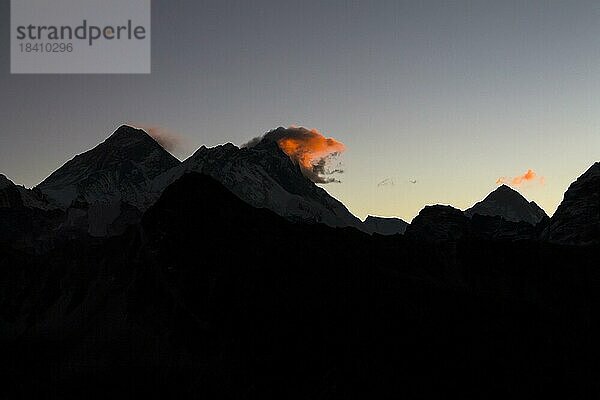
(577, 219)
(5, 182)
(384, 226)
(9, 194)
(509, 204)
(439, 223)
(16, 196)
(107, 188)
(265, 177)
(232, 275)
(99, 186)
(118, 169)
(27, 219)
(209, 296)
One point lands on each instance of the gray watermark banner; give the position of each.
(80, 37)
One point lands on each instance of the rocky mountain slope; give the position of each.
(509, 204)
(27, 220)
(119, 169)
(577, 219)
(265, 177)
(210, 297)
(384, 226)
(439, 223)
(97, 187)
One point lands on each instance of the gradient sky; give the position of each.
(452, 94)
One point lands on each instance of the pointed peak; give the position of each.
(509, 204)
(125, 132)
(129, 158)
(593, 170)
(506, 189)
(127, 136)
(504, 192)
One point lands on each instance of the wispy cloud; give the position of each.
(386, 182)
(528, 177)
(169, 140)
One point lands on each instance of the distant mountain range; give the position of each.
(108, 188)
(119, 169)
(232, 275)
(265, 177)
(130, 170)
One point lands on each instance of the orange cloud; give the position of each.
(528, 177)
(308, 148)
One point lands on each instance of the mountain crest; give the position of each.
(577, 219)
(121, 167)
(509, 204)
(439, 223)
(384, 225)
(127, 131)
(265, 177)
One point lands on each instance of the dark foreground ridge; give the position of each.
(209, 297)
(577, 219)
(231, 275)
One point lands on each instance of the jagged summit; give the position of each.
(12, 195)
(127, 132)
(261, 174)
(577, 219)
(509, 204)
(120, 167)
(502, 191)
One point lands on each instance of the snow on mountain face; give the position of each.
(508, 204)
(108, 179)
(119, 169)
(265, 177)
(384, 226)
(577, 219)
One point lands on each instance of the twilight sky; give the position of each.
(452, 94)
